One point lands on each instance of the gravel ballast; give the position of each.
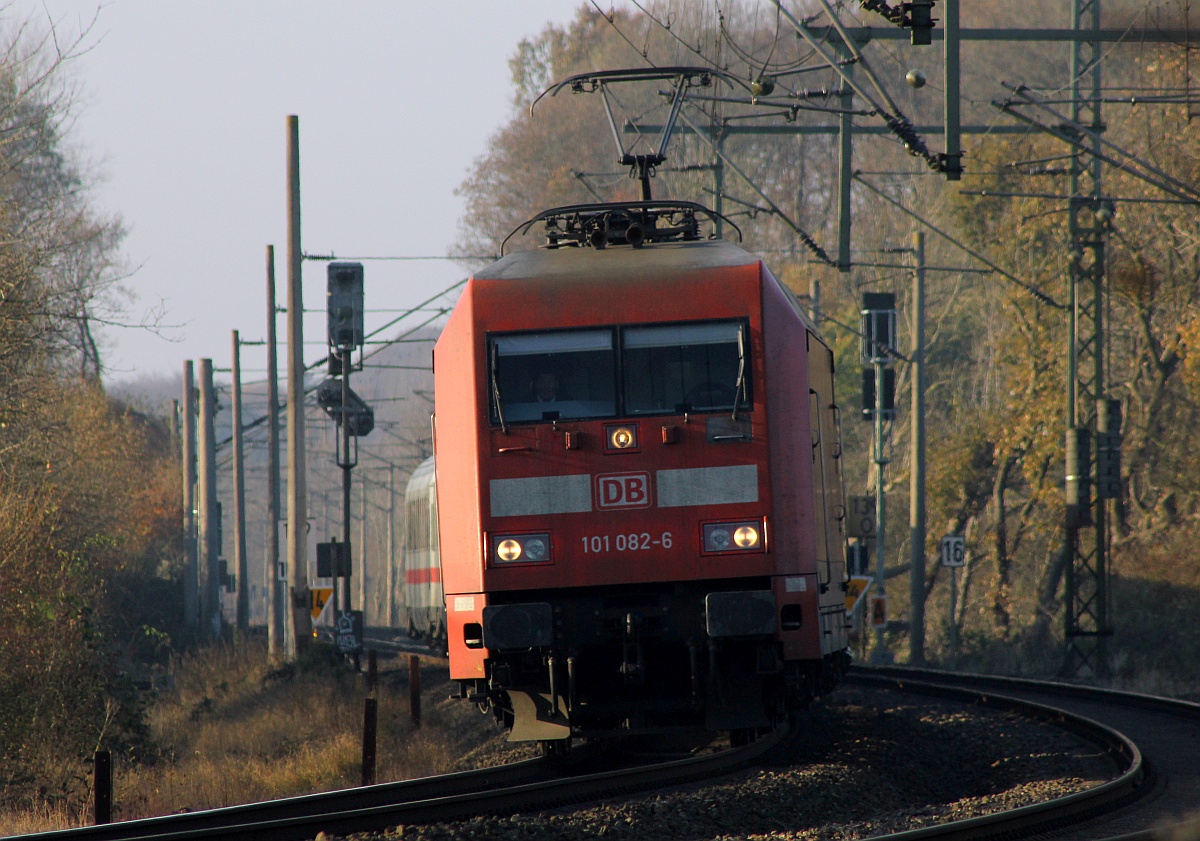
(868, 763)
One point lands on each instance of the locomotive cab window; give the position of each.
(678, 368)
(563, 375)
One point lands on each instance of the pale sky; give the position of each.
(182, 106)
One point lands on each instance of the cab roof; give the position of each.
(659, 259)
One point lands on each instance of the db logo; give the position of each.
(623, 490)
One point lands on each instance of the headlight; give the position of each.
(621, 436)
(521, 548)
(746, 537)
(734, 537)
(718, 539)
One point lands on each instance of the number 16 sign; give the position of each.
(954, 550)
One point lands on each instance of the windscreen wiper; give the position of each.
(740, 387)
(496, 390)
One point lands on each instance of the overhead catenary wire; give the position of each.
(858, 56)
(617, 29)
(1062, 129)
(805, 238)
(1007, 275)
(895, 119)
(421, 307)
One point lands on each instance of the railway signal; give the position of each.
(345, 334)
(878, 350)
(344, 305)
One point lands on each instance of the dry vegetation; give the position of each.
(996, 356)
(233, 730)
(90, 551)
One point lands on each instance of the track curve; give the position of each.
(532, 784)
(1166, 732)
(1142, 793)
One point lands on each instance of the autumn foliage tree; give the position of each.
(87, 515)
(996, 351)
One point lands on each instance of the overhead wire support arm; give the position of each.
(786, 105)
(859, 57)
(1069, 134)
(582, 178)
(1073, 132)
(1031, 289)
(896, 121)
(805, 238)
(895, 14)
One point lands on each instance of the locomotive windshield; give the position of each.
(665, 369)
(683, 368)
(569, 374)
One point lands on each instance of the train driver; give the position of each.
(545, 387)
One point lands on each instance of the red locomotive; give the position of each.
(639, 489)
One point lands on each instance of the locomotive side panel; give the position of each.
(795, 523)
(455, 443)
(828, 496)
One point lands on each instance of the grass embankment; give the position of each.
(235, 730)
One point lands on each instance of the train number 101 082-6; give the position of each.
(633, 542)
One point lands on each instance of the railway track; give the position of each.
(522, 786)
(1136, 806)
(1140, 794)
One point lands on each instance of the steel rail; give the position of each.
(375, 808)
(1155, 703)
(1050, 815)
(214, 821)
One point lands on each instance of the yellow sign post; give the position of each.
(319, 597)
(856, 588)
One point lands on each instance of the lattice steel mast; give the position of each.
(1090, 414)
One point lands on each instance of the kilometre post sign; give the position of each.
(953, 550)
(861, 523)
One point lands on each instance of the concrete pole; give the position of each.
(880, 654)
(173, 427)
(347, 464)
(276, 605)
(953, 659)
(362, 552)
(845, 162)
(297, 539)
(328, 533)
(191, 565)
(391, 548)
(210, 548)
(916, 514)
(951, 95)
(242, 605)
